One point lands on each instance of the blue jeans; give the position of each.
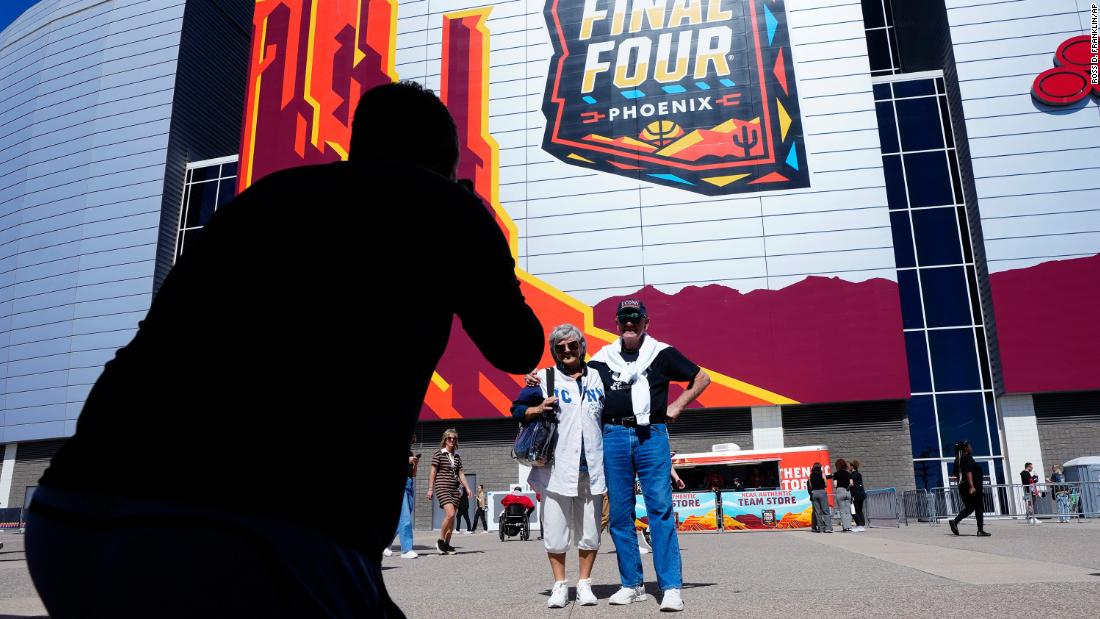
(1063, 506)
(643, 452)
(405, 525)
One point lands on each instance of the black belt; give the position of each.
(628, 422)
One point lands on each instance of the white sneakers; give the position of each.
(858, 529)
(626, 595)
(672, 601)
(387, 553)
(585, 597)
(559, 595)
(409, 555)
(1035, 521)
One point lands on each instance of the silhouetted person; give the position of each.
(286, 357)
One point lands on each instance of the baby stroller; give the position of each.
(513, 522)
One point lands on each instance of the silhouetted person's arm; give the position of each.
(489, 301)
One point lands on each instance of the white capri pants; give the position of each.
(569, 521)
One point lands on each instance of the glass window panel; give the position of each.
(919, 120)
(975, 302)
(887, 130)
(229, 169)
(991, 420)
(889, 12)
(200, 199)
(911, 315)
(895, 182)
(954, 360)
(203, 174)
(964, 234)
(928, 179)
(939, 86)
(956, 181)
(945, 298)
(983, 358)
(914, 88)
(873, 14)
(226, 190)
(179, 243)
(882, 91)
(928, 475)
(209, 197)
(903, 239)
(945, 115)
(894, 53)
(962, 417)
(878, 51)
(916, 352)
(937, 233)
(922, 427)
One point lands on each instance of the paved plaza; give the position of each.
(1044, 571)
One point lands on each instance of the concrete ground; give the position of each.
(1043, 571)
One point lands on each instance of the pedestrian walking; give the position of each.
(970, 488)
(463, 513)
(444, 482)
(479, 514)
(859, 495)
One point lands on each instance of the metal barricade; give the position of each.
(881, 508)
(1062, 501)
(919, 505)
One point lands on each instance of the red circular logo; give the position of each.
(1069, 81)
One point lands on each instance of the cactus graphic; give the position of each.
(748, 139)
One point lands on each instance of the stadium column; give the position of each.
(1021, 435)
(767, 427)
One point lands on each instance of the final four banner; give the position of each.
(753, 509)
(694, 94)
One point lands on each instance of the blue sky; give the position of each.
(10, 9)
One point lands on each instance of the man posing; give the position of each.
(636, 369)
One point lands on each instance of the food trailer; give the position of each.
(730, 489)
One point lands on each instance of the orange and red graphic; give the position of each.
(1071, 79)
(310, 62)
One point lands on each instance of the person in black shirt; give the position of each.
(309, 315)
(970, 488)
(843, 480)
(822, 519)
(636, 371)
(859, 494)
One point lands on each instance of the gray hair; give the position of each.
(565, 331)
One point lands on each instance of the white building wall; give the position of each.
(86, 92)
(1036, 168)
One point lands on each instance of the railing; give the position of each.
(882, 508)
(1063, 501)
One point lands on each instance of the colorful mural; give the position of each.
(310, 62)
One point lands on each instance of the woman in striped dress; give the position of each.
(443, 482)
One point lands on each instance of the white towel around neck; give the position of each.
(634, 374)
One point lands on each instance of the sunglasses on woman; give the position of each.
(564, 347)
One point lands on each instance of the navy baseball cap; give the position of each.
(631, 308)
